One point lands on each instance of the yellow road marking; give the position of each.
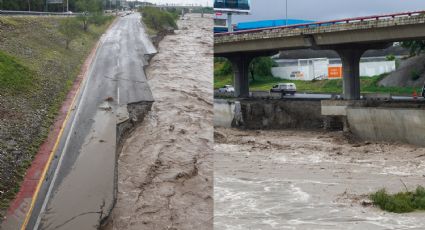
(43, 175)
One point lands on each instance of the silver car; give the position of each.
(227, 89)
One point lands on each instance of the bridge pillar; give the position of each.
(350, 58)
(240, 65)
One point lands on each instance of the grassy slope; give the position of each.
(36, 72)
(14, 76)
(368, 84)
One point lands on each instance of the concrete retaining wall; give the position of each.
(281, 114)
(224, 113)
(388, 124)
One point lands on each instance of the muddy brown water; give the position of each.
(309, 180)
(165, 168)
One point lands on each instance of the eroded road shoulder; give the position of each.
(165, 175)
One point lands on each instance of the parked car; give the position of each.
(227, 89)
(284, 88)
(423, 91)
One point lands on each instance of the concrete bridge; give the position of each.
(350, 38)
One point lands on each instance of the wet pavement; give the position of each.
(165, 168)
(79, 188)
(309, 180)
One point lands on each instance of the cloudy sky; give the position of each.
(326, 9)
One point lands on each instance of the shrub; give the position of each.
(401, 202)
(415, 75)
(159, 20)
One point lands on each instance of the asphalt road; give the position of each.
(318, 96)
(79, 189)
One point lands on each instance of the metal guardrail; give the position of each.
(37, 13)
(327, 23)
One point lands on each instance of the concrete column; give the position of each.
(240, 65)
(229, 23)
(351, 72)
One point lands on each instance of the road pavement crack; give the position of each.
(75, 217)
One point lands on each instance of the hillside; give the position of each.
(410, 73)
(36, 72)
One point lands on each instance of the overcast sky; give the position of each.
(326, 9)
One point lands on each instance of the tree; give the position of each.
(69, 28)
(415, 47)
(262, 67)
(88, 8)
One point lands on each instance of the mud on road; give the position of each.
(165, 174)
(309, 180)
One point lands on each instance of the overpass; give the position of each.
(350, 38)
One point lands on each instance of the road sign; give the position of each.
(334, 72)
(232, 6)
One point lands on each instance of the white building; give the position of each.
(324, 68)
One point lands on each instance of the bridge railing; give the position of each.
(37, 13)
(328, 23)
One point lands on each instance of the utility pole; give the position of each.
(29, 5)
(67, 6)
(286, 8)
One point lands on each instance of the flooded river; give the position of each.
(165, 174)
(309, 180)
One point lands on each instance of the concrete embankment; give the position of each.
(269, 114)
(371, 120)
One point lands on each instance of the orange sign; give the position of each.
(334, 72)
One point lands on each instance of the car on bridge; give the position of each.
(284, 88)
(227, 89)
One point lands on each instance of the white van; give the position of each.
(284, 88)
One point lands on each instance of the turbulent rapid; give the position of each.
(165, 176)
(309, 180)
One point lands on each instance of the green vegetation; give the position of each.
(262, 81)
(401, 202)
(415, 47)
(36, 73)
(415, 75)
(14, 77)
(69, 27)
(261, 66)
(159, 21)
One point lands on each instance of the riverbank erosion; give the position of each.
(165, 168)
(310, 180)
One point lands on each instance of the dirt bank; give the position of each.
(165, 168)
(309, 180)
(410, 73)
